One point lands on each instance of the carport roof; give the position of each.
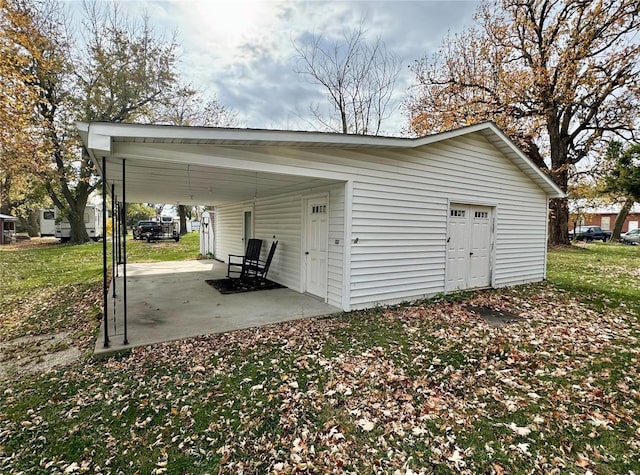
(175, 176)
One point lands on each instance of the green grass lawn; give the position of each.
(53, 287)
(606, 275)
(187, 248)
(421, 388)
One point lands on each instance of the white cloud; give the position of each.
(243, 51)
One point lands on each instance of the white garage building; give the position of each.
(360, 220)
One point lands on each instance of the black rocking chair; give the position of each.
(238, 265)
(257, 271)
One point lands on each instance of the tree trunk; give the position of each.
(183, 219)
(79, 233)
(622, 216)
(4, 195)
(558, 207)
(558, 221)
(75, 205)
(30, 223)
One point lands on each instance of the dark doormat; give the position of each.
(235, 286)
(493, 317)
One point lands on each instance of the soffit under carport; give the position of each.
(212, 172)
(154, 181)
(188, 172)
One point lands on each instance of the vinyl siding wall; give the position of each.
(336, 245)
(402, 227)
(399, 216)
(228, 230)
(281, 218)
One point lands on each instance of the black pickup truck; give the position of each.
(589, 233)
(155, 231)
(144, 229)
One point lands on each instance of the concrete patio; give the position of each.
(171, 300)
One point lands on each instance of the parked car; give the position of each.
(631, 237)
(589, 233)
(156, 230)
(146, 228)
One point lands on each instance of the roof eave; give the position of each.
(98, 138)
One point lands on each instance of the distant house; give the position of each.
(360, 220)
(605, 217)
(8, 228)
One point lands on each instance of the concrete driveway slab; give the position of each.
(171, 301)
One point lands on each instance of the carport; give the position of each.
(171, 300)
(147, 303)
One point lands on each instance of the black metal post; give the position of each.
(105, 291)
(113, 242)
(116, 233)
(120, 233)
(118, 227)
(124, 252)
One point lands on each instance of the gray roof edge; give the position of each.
(173, 132)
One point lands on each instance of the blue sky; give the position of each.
(242, 51)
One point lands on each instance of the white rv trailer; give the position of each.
(47, 220)
(92, 221)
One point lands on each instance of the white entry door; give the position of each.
(315, 249)
(469, 247)
(247, 226)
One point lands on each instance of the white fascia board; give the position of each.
(450, 134)
(160, 154)
(258, 136)
(83, 131)
(82, 126)
(99, 143)
(267, 137)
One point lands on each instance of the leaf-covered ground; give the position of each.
(423, 388)
(429, 388)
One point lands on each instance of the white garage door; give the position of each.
(469, 247)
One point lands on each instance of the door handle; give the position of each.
(471, 253)
(306, 253)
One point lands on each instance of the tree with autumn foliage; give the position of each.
(558, 76)
(623, 178)
(23, 149)
(121, 71)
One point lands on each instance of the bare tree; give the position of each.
(193, 107)
(358, 79)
